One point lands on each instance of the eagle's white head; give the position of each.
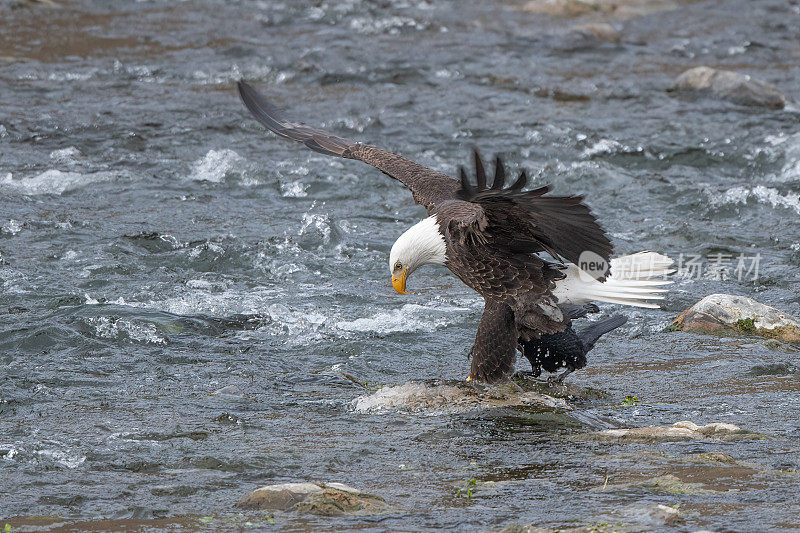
(421, 244)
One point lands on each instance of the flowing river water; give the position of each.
(190, 307)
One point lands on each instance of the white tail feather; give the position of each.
(630, 283)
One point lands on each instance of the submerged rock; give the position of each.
(324, 499)
(739, 88)
(519, 528)
(595, 32)
(715, 457)
(34, 3)
(680, 431)
(617, 8)
(724, 313)
(579, 37)
(653, 515)
(663, 514)
(667, 484)
(453, 397)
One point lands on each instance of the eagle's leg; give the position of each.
(495, 349)
(566, 349)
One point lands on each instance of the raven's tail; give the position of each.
(590, 334)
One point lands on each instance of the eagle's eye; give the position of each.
(398, 266)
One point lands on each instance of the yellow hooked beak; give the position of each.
(399, 283)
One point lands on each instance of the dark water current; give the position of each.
(189, 307)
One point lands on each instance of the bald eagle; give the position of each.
(518, 249)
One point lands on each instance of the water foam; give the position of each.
(66, 156)
(294, 189)
(603, 146)
(62, 458)
(313, 222)
(762, 194)
(218, 165)
(391, 25)
(790, 144)
(409, 318)
(46, 455)
(12, 227)
(55, 182)
(121, 329)
(200, 301)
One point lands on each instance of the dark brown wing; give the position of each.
(528, 221)
(429, 187)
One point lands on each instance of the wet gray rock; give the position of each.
(667, 484)
(228, 390)
(649, 515)
(173, 490)
(726, 313)
(324, 499)
(453, 397)
(620, 9)
(579, 37)
(715, 457)
(595, 33)
(278, 497)
(680, 431)
(519, 528)
(643, 516)
(34, 3)
(733, 86)
(669, 516)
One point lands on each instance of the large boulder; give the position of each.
(726, 313)
(324, 499)
(733, 86)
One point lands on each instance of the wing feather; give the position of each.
(428, 187)
(529, 222)
(499, 175)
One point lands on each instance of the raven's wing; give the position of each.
(428, 187)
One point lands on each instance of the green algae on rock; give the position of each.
(726, 313)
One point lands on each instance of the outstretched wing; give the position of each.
(429, 187)
(529, 222)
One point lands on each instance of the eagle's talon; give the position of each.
(557, 379)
